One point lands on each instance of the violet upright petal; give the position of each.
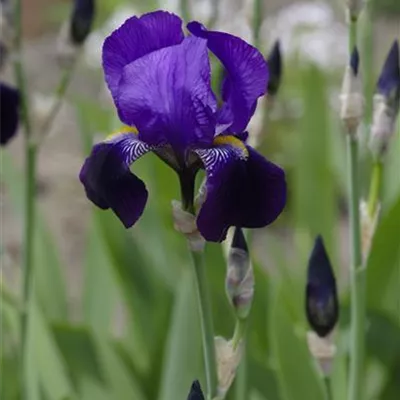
(136, 38)
(249, 192)
(167, 95)
(9, 110)
(246, 74)
(195, 392)
(108, 181)
(321, 297)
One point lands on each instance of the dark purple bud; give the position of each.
(195, 392)
(389, 79)
(82, 20)
(321, 297)
(9, 110)
(239, 241)
(274, 61)
(355, 61)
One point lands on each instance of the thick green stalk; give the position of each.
(206, 325)
(30, 185)
(187, 182)
(29, 195)
(357, 279)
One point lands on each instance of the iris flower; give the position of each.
(160, 81)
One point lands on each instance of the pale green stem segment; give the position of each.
(239, 333)
(206, 324)
(60, 95)
(241, 373)
(357, 280)
(257, 21)
(375, 187)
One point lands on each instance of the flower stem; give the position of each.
(357, 272)
(29, 195)
(257, 21)
(60, 95)
(30, 185)
(206, 325)
(239, 333)
(375, 187)
(187, 183)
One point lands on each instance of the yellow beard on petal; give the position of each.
(121, 131)
(232, 141)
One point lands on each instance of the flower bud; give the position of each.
(354, 7)
(9, 111)
(352, 100)
(74, 32)
(321, 298)
(195, 392)
(274, 61)
(386, 103)
(239, 282)
(81, 20)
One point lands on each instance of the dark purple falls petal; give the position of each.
(246, 75)
(136, 38)
(249, 193)
(167, 95)
(108, 181)
(9, 110)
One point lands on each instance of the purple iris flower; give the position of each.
(160, 81)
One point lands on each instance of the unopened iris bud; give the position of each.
(76, 30)
(239, 281)
(352, 100)
(82, 20)
(386, 103)
(274, 61)
(321, 297)
(354, 7)
(9, 111)
(195, 392)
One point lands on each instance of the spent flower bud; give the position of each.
(352, 100)
(195, 392)
(386, 103)
(321, 297)
(274, 61)
(228, 359)
(239, 282)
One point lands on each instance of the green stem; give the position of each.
(375, 187)
(29, 195)
(357, 333)
(239, 333)
(30, 182)
(187, 182)
(185, 11)
(257, 21)
(206, 325)
(60, 95)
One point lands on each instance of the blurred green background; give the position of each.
(113, 312)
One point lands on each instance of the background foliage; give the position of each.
(153, 351)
